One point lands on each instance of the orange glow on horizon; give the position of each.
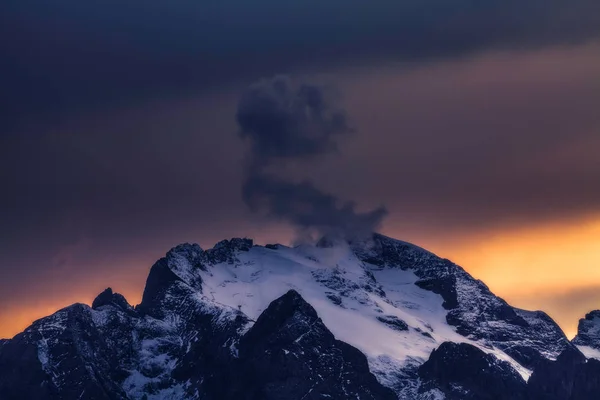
(16, 319)
(545, 267)
(553, 267)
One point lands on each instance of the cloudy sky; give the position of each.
(476, 125)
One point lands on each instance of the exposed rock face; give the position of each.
(473, 309)
(393, 322)
(570, 377)
(290, 354)
(586, 385)
(337, 320)
(108, 298)
(463, 372)
(588, 331)
(61, 356)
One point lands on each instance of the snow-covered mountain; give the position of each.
(372, 319)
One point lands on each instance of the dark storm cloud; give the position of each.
(60, 56)
(285, 122)
(282, 121)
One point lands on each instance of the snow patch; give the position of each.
(43, 354)
(589, 352)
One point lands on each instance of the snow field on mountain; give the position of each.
(323, 274)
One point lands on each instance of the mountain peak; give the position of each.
(588, 331)
(191, 250)
(329, 320)
(240, 244)
(226, 250)
(108, 298)
(289, 306)
(290, 354)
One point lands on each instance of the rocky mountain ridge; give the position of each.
(372, 319)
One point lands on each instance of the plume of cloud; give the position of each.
(284, 122)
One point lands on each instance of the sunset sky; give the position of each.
(477, 124)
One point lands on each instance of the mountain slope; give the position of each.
(464, 372)
(290, 354)
(588, 335)
(197, 325)
(575, 374)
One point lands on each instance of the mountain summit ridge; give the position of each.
(392, 302)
